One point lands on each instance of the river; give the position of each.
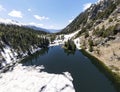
(86, 76)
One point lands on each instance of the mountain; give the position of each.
(14, 22)
(94, 15)
(99, 27)
(43, 29)
(9, 21)
(37, 28)
(54, 30)
(98, 30)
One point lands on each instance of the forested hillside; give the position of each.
(16, 42)
(21, 38)
(93, 16)
(98, 30)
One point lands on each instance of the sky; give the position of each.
(49, 14)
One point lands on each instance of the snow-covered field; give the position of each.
(30, 79)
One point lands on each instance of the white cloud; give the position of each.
(35, 24)
(100, 0)
(52, 27)
(87, 5)
(29, 10)
(15, 13)
(70, 20)
(2, 8)
(40, 17)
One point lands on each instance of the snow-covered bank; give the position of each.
(77, 43)
(66, 38)
(10, 56)
(30, 79)
(56, 43)
(69, 36)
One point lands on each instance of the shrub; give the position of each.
(110, 20)
(70, 45)
(86, 34)
(90, 45)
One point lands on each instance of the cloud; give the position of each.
(15, 13)
(52, 27)
(87, 5)
(70, 20)
(35, 24)
(40, 17)
(2, 8)
(29, 10)
(99, 1)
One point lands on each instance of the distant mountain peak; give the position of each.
(9, 21)
(35, 27)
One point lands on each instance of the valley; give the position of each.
(82, 57)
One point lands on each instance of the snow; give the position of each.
(34, 49)
(56, 43)
(8, 55)
(9, 21)
(69, 36)
(66, 38)
(77, 43)
(32, 78)
(29, 79)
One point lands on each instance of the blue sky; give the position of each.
(50, 14)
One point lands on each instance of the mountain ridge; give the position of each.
(96, 12)
(14, 22)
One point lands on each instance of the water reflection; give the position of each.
(69, 52)
(34, 57)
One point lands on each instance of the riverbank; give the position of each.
(113, 76)
(11, 57)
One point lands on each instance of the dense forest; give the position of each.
(21, 38)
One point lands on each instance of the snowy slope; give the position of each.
(11, 56)
(66, 38)
(29, 79)
(35, 27)
(9, 21)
